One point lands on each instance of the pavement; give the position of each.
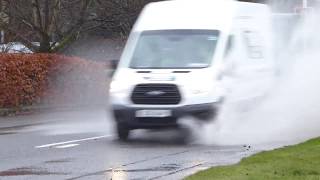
(81, 145)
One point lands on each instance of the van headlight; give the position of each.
(118, 87)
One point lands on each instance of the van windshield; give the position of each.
(174, 49)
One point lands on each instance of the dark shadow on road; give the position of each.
(161, 137)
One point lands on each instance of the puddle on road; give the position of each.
(58, 161)
(18, 127)
(164, 167)
(7, 133)
(15, 129)
(24, 171)
(119, 173)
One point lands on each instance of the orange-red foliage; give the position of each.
(28, 79)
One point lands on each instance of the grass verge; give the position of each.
(299, 162)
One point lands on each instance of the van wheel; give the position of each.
(123, 131)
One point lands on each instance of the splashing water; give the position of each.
(290, 113)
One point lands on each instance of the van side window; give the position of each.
(253, 42)
(229, 46)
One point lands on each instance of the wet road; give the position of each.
(81, 145)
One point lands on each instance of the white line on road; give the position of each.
(66, 146)
(72, 141)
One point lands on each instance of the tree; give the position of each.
(119, 15)
(53, 24)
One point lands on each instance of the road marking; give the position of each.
(66, 146)
(72, 141)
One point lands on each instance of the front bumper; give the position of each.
(126, 115)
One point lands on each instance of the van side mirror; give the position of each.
(114, 64)
(229, 46)
(229, 65)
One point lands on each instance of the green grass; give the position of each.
(300, 162)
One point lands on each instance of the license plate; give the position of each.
(153, 113)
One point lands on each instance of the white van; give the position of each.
(184, 57)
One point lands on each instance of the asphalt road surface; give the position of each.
(81, 144)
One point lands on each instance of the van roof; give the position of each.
(194, 14)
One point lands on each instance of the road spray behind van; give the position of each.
(185, 57)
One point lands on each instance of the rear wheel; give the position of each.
(123, 131)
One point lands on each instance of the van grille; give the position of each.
(156, 94)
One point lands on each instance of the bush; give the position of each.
(50, 79)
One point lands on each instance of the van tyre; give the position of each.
(123, 131)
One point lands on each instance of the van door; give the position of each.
(252, 70)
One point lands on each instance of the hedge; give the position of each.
(50, 79)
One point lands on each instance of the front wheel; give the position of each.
(123, 131)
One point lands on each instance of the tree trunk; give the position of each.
(45, 44)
